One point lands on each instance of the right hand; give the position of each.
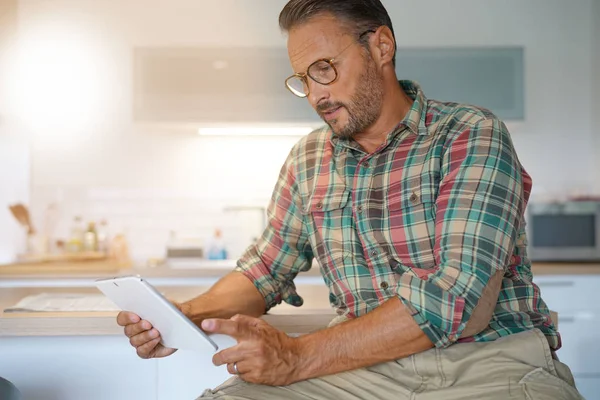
(143, 336)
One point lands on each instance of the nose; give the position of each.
(317, 93)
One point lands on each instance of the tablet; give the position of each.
(134, 294)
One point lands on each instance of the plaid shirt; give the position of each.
(428, 217)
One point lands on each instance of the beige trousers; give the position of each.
(518, 366)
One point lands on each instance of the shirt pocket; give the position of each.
(331, 214)
(411, 222)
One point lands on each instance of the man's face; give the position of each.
(353, 102)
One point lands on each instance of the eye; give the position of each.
(322, 72)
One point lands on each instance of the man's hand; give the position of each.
(143, 336)
(264, 355)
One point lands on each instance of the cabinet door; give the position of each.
(216, 86)
(186, 374)
(487, 77)
(580, 350)
(246, 85)
(77, 368)
(588, 386)
(568, 293)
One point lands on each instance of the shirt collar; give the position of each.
(414, 120)
(416, 117)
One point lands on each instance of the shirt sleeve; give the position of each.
(284, 249)
(478, 214)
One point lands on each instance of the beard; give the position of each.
(364, 106)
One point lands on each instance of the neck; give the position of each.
(395, 106)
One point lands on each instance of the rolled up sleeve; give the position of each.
(283, 250)
(478, 214)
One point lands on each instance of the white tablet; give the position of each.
(132, 293)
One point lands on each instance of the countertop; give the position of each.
(214, 270)
(177, 284)
(315, 314)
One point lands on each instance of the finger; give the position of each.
(240, 368)
(125, 318)
(229, 355)
(144, 337)
(148, 349)
(246, 320)
(224, 326)
(136, 329)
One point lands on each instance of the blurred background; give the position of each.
(146, 137)
(101, 103)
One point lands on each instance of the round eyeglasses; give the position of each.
(322, 71)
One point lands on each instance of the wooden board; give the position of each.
(58, 268)
(63, 257)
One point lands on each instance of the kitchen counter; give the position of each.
(12, 276)
(315, 314)
(178, 284)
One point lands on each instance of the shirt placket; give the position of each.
(377, 261)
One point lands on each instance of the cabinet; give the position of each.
(487, 77)
(572, 297)
(246, 85)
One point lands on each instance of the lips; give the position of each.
(331, 113)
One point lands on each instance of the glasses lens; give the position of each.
(322, 72)
(297, 86)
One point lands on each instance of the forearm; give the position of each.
(233, 294)
(385, 334)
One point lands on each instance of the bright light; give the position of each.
(57, 78)
(255, 131)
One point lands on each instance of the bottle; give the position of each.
(216, 247)
(90, 238)
(102, 236)
(75, 241)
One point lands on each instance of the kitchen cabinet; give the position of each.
(246, 85)
(487, 77)
(572, 297)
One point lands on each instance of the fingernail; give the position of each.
(208, 324)
(153, 333)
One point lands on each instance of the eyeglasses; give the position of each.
(322, 71)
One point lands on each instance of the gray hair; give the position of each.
(360, 15)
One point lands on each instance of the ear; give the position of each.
(384, 45)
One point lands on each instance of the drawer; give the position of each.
(580, 349)
(569, 293)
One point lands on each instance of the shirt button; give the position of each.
(359, 209)
(366, 165)
(374, 253)
(414, 198)
(320, 205)
(384, 285)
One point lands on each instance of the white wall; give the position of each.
(86, 140)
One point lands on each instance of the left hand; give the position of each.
(264, 355)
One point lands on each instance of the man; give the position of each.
(414, 210)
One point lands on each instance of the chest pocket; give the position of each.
(412, 227)
(331, 215)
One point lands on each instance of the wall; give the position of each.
(90, 157)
